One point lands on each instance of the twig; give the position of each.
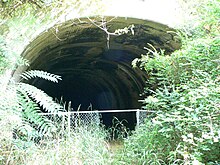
(104, 28)
(57, 36)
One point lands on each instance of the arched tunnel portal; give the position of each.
(96, 67)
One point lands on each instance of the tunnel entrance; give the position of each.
(95, 67)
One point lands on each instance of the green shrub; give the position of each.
(189, 119)
(145, 146)
(184, 90)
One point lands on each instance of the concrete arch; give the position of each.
(96, 70)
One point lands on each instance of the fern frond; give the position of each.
(32, 116)
(40, 97)
(41, 74)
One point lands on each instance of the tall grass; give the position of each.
(144, 146)
(84, 145)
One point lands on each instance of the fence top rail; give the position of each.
(99, 111)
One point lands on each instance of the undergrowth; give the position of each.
(84, 145)
(185, 98)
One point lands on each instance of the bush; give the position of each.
(145, 146)
(184, 90)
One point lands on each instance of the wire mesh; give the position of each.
(87, 118)
(142, 117)
(84, 119)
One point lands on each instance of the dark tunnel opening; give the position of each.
(97, 72)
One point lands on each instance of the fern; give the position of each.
(41, 74)
(32, 117)
(30, 101)
(40, 97)
(21, 108)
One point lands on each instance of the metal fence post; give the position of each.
(69, 113)
(138, 117)
(63, 122)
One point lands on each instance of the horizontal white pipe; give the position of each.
(100, 111)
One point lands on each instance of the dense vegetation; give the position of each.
(185, 126)
(183, 90)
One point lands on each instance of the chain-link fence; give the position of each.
(141, 116)
(86, 118)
